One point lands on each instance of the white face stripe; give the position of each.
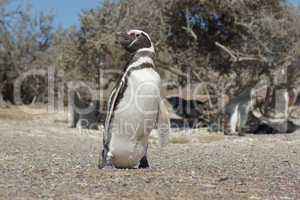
(135, 31)
(139, 32)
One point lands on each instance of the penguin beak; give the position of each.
(123, 38)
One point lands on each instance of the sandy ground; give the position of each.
(42, 159)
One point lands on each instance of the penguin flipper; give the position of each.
(106, 162)
(111, 107)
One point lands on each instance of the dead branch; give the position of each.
(236, 58)
(172, 70)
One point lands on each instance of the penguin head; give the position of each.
(135, 41)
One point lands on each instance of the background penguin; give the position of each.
(82, 113)
(236, 112)
(133, 107)
(258, 124)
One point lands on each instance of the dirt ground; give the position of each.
(40, 158)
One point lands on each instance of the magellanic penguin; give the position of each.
(133, 107)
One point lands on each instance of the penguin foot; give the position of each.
(144, 163)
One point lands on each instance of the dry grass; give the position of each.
(180, 140)
(197, 136)
(22, 113)
(213, 137)
(12, 114)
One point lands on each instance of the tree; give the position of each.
(24, 42)
(227, 44)
(238, 43)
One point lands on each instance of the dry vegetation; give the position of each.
(228, 45)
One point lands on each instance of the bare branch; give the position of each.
(234, 58)
(172, 70)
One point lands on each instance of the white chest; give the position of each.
(135, 117)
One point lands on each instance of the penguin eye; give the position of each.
(137, 35)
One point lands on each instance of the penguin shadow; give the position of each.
(142, 166)
(115, 169)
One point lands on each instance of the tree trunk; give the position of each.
(277, 102)
(277, 96)
(3, 104)
(72, 117)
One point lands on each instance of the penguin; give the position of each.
(258, 124)
(83, 114)
(236, 112)
(133, 106)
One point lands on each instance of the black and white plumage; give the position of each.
(236, 112)
(258, 124)
(133, 106)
